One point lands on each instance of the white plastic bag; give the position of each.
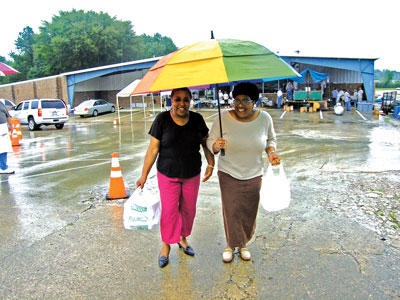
(275, 189)
(142, 210)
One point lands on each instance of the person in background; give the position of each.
(340, 97)
(226, 98)
(279, 99)
(220, 95)
(347, 99)
(247, 134)
(295, 86)
(360, 94)
(5, 142)
(334, 96)
(323, 86)
(176, 136)
(289, 89)
(355, 97)
(168, 103)
(259, 100)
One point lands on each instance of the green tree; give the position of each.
(157, 45)
(76, 40)
(23, 57)
(387, 77)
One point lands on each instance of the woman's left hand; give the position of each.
(274, 159)
(207, 174)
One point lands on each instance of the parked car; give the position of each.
(38, 112)
(93, 107)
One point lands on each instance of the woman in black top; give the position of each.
(176, 136)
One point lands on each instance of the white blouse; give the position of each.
(245, 144)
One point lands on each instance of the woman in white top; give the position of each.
(247, 133)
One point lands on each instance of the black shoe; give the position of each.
(163, 261)
(188, 250)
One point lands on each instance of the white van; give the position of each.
(37, 112)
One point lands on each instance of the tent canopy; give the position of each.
(316, 76)
(127, 91)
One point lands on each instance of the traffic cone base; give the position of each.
(117, 188)
(14, 138)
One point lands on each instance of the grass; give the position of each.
(385, 89)
(394, 220)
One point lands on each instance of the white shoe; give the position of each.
(245, 254)
(227, 255)
(7, 171)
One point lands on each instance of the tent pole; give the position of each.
(144, 109)
(119, 119)
(152, 102)
(130, 106)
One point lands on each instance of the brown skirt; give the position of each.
(240, 199)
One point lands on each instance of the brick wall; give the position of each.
(79, 97)
(6, 92)
(54, 87)
(24, 91)
(46, 88)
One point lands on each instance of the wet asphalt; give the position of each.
(62, 239)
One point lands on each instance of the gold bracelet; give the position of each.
(210, 166)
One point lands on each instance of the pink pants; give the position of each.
(178, 206)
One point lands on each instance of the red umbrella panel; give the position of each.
(7, 70)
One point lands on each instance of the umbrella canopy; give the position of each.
(7, 70)
(213, 62)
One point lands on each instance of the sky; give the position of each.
(338, 28)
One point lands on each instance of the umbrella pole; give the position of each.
(219, 117)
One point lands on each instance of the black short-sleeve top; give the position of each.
(179, 153)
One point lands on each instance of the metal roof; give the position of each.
(328, 56)
(134, 62)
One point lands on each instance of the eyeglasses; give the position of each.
(243, 102)
(179, 99)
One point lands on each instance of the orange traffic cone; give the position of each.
(117, 187)
(16, 133)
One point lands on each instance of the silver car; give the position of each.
(93, 108)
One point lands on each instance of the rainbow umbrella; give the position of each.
(7, 70)
(212, 62)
